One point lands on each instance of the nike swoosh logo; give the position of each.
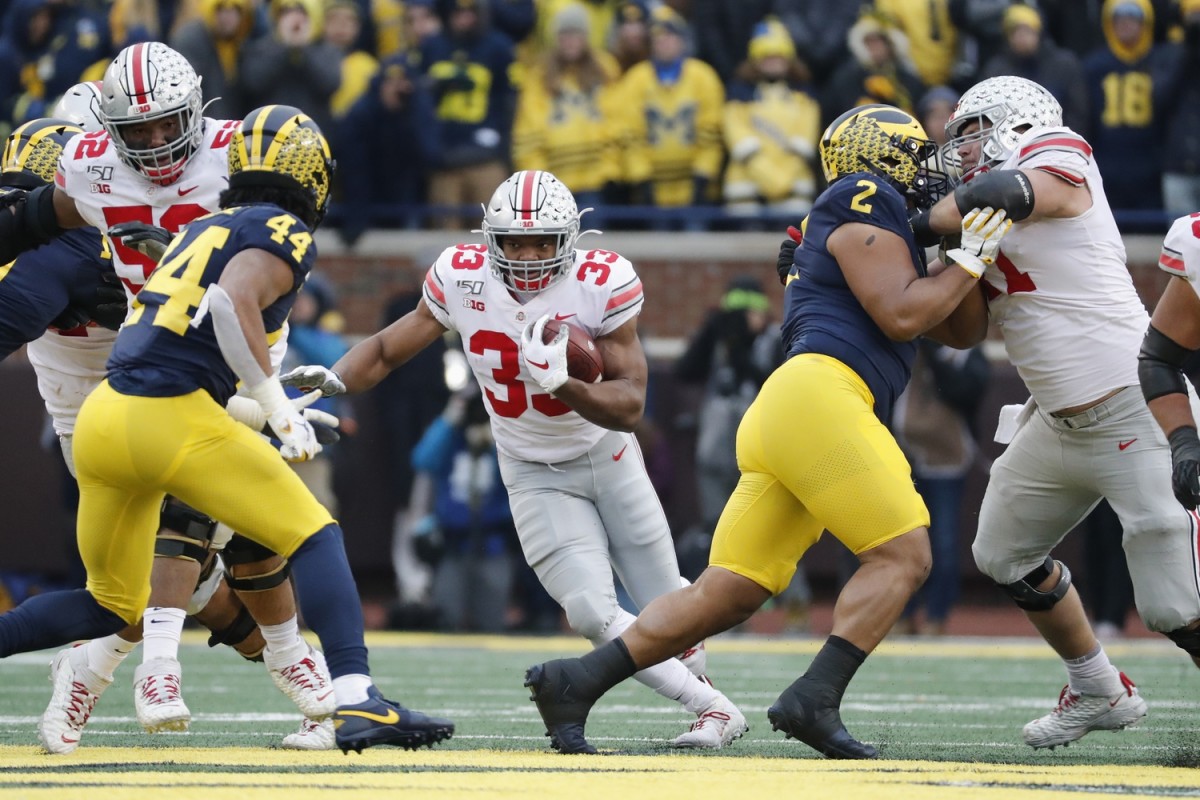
(561, 317)
(617, 456)
(322, 697)
(390, 719)
(189, 190)
(543, 365)
(1113, 703)
(1123, 445)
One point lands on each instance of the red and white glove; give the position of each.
(297, 437)
(547, 363)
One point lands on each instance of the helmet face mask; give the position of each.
(146, 85)
(1004, 108)
(887, 142)
(281, 146)
(531, 203)
(31, 152)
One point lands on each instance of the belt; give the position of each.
(1123, 400)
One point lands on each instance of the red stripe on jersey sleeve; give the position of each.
(1170, 263)
(434, 289)
(1059, 142)
(1073, 178)
(60, 179)
(625, 296)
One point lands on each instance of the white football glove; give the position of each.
(547, 363)
(250, 413)
(314, 378)
(297, 437)
(982, 230)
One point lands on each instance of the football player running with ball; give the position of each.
(581, 498)
(813, 448)
(1073, 325)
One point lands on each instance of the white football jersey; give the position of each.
(1181, 250)
(68, 366)
(599, 294)
(1060, 291)
(108, 192)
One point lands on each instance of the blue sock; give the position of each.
(329, 600)
(54, 619)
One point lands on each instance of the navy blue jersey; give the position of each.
(42, 282)
(167, 347)
(822, 315)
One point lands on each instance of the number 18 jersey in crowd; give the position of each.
(600, 293)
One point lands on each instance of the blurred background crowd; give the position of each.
(667, 114)
(662, 115)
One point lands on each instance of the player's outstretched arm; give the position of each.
(1173, 335)
(370, 361)
(32, 219)
(618, 401)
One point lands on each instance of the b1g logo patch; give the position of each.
(474, 305)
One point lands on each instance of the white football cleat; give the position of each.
(1078, 714)
(157, 698)
(307, 684)
(76, 690)
(311, 736)
(717, 727)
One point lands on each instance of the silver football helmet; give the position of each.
(1005, 107)
(81, 105)
(531, 203)
(146, 82)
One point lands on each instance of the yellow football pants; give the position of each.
(130, 452)
(813, 456)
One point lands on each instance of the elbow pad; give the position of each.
(1009, 189)
(28, 223)
(1160, 365)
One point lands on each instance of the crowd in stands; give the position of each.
(696, 113)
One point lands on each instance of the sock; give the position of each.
(604, 668)
(284, 644)
(833, 668)
(54, 619)
(1093, 674)
(350, 690)
(162, 628)
(329, 600)
(106, 654)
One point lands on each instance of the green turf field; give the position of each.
(946, 716)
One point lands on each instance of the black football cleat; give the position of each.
(819, 727)
(565, 715)
(379, 721)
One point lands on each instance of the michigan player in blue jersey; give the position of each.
(158, 426)
(813, 449)
(67, 284)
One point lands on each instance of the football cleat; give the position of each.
(718, 726)
(696, 660)
(312, 735)
(308, 685)
(565, 716)
(378, 721)
(76, 690)
(157, 684)
(1076, 715)
(818, 726)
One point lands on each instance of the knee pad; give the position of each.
(235, 633)
(1187, 640)
(184, 532)
(588, 615)
(206, 585)
(1025, 592)
(241, 550)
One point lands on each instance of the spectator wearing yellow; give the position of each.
(629, 38)
(565, 119)
(880, 72)
(343, 24)
(771, 128)
(932, 36)
(671, 107)
(211, 44)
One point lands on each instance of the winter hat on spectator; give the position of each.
(771, 38)
(745, 293)
(665, 18)
(571, 18)
(633, 11)
(1022, 15)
